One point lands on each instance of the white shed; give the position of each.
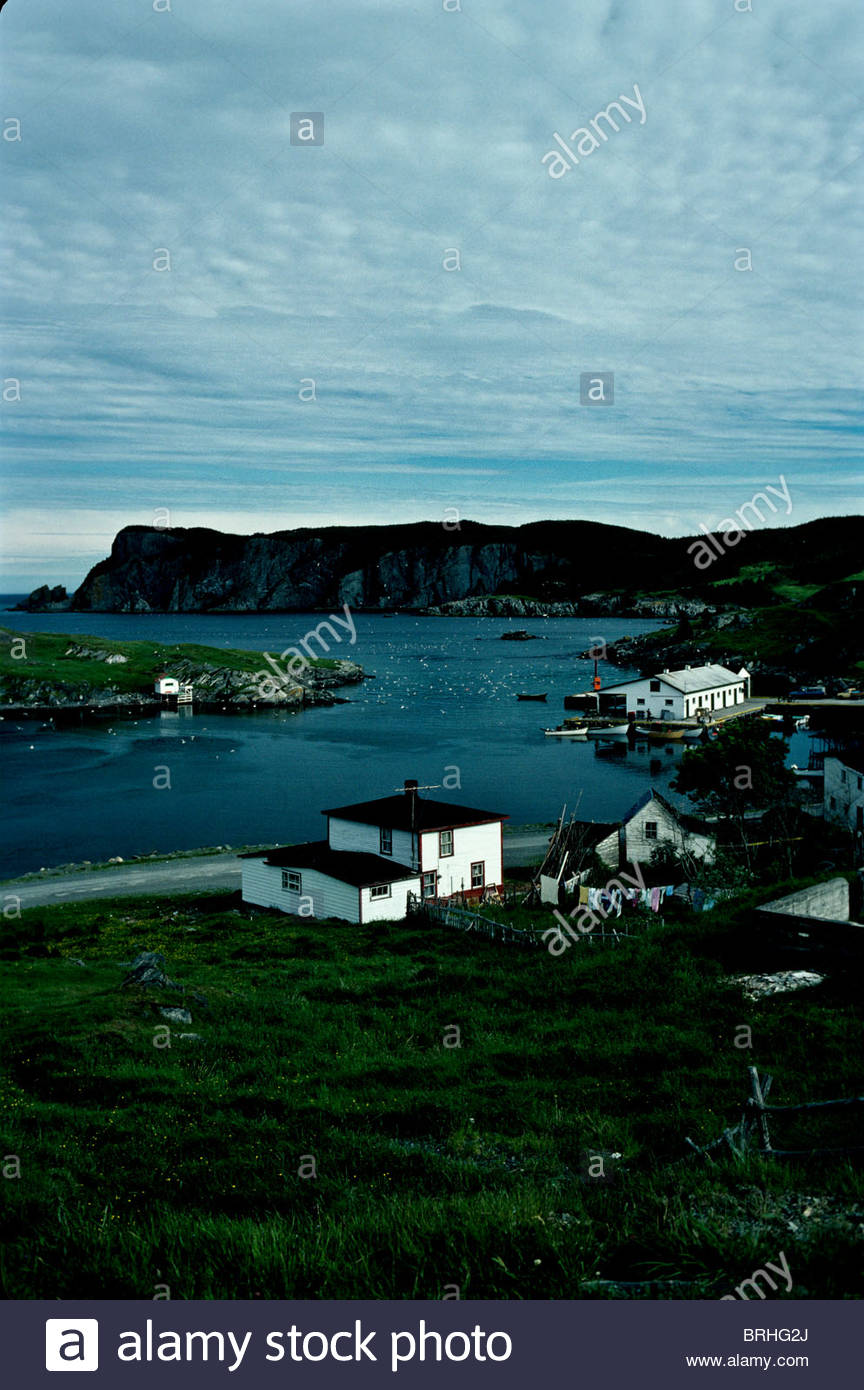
(167, 685)
(654, 821)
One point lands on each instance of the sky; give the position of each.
(207, 324)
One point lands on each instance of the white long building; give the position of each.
(678, 694)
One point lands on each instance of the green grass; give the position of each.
(436, 1165)
(45, 659)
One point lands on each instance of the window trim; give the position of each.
(380, 890)
(287, 875)
(650, 829)
(385, 840)
(442, 852)
(425, 884)
(481, 865)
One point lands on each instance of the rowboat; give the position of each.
(657, 733)
(532, 697)
(581, 731)
(610, 731)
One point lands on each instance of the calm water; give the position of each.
(444, 699)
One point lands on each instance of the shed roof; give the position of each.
(348, 866)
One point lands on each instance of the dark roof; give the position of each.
(591, 832)
(411, 812)
(345, 865)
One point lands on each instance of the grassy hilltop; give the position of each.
(58, 666)
(143, 1166)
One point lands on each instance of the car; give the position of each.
(809, 692)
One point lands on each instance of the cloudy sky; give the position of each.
(158, 132)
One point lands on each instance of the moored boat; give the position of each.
(660, 734)
(581, 731)
(532, 697)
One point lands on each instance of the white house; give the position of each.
(678, 694)
(654, 821)
(651, 822)
(843, 794)
(166, 685)
(375, 854)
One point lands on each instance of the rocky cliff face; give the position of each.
(425, 566)
(152, 570)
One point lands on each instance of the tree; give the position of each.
(741, 772)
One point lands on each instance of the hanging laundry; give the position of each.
(655, 899)
(698, 899)
(583, 896)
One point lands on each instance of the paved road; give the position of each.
(206, 873)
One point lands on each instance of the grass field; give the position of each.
(322, 1048)
(45, 659)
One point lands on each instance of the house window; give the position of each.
(833, 803)
(380, 890)
(430, 884)
(291, 881)
(650, 830)
(861, 784)
(843, 776)
(668, 702)
(654, 687)
(386, 841)
(478, 874)
(445, 843)
(640, 700)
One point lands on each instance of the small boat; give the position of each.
(609, 731)
(532, 697)
(581, 731)
(657, 732)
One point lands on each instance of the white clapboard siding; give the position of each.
(670, 831)
(393, 908)
(262, 885)
(470, 843)
(366, 839)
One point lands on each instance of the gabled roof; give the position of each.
(348, 866)
(688, 682)
(410, 812)
(684, 818)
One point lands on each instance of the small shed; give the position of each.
(167, 685)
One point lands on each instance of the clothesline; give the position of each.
(611, 901)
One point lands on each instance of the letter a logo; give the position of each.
(71, 1344)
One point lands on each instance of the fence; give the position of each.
(463, 919)
(755, 1119)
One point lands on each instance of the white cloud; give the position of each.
(143, 130)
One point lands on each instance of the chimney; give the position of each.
(411, 785)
